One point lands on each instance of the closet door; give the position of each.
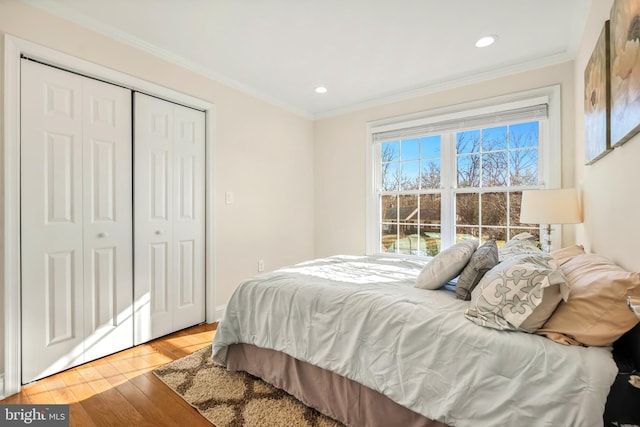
(75, 220)
(169, 217)
(108, 219)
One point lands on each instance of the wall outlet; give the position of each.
(260, 265)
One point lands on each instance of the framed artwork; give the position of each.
(625, 70)
(597, 101)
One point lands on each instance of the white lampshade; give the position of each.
(550, 207)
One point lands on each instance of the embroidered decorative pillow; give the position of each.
(482, 260)
(519, 294)
(523, 243)
(446, 265)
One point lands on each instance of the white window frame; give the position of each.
(549, 155)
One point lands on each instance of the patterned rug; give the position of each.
(234, 399)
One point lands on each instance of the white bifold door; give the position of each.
(76, 214)
(169, 189)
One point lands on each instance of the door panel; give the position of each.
(188, 213)
(169, 217)
(108, 221)
(51, 218)
(104, 176)
(59, 297)
(153, 124)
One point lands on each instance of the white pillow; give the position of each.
(447, 265)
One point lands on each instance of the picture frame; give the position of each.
(597, 100)
(625, 70)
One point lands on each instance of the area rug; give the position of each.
(234, 399)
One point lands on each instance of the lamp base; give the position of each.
(547, 246)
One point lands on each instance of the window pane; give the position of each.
(430, 147)
(390, 151)
(389, 208)
(498, 234)
(467, 209)
(515, 200)
(524, 167)
(469, 171)
(390, 176)
(430, 205)
(408, 211)
(389, 235)
(494, 139)
(408, 242)
(430, 220)
(410, 149)
(410, 175)
(430, 173)
(468, 142)
(494, 169)
(494, 208)
(524, 135)
(430, 242)
(464, 233)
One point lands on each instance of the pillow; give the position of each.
(482, 260)
(446, 265)
(596, 313)
(518, 294)
(565, 254)
(523, 243)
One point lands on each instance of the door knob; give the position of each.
(158, 232)
(101, 235)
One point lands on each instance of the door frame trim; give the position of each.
(14, 49)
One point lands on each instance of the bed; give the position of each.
(354, 338)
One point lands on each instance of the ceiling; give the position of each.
(366, 52)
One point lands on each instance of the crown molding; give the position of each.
(111, 32)
(454, 83)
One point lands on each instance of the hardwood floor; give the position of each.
(120, 389)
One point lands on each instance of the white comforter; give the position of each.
(362, 318)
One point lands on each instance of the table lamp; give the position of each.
(550, 207)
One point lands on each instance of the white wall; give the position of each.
(263, 153)
(340, 145)
(610, 186)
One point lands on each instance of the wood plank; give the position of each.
(148, 408)
(174, 406)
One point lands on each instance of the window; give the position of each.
(443, 178)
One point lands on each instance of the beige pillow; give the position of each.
(446, 265)
(565, 254)
(596, 313)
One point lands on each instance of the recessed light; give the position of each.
(486, 41)
(321, 89)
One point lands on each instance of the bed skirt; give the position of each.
(334, 395)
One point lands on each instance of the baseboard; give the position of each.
(220, 312)
(2, 396)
